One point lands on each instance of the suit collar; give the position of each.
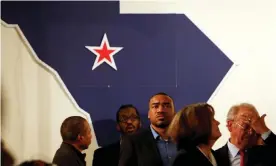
(150, 140)
(233, 149)
(223, 156)
(70, 147)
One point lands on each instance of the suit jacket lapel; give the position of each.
(222, 157)
(153, 145)
(226, 151)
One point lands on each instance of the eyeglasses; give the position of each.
(125, 119)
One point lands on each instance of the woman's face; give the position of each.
(215, 129)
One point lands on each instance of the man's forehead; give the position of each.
(247, 112)
(160, 99)
(127, 111)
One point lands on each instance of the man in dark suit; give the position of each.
(151, 146)
(128, 122)
(76, 135)
(251, 142)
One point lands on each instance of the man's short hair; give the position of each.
(192, 124)
(71, 127)
(233, 111)
(160, 93)
(124, 107)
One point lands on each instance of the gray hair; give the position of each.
(235, 109)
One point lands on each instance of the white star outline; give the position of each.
(116, 50)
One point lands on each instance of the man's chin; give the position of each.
(84, 147)
(162, 125)
(130, 131)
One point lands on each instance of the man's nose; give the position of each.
(160, 109)
(129, 120)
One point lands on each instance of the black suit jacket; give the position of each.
(255, 156)
(107, 156)
(192, 157)
(140, 149)
(68, 155)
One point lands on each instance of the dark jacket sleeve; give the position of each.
(98, 157)
(262, 155)
(127, 153)
(271, 139)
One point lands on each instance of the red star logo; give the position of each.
(104, 53)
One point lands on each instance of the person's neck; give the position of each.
(236, 143)
(161, 131)
(206, 149)
(74, 145)
(77, 147)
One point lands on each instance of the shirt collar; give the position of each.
(154, 133)
(233, 149)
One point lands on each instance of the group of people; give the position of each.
(187, 137)
(173, 138)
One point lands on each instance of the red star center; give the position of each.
(104, 53)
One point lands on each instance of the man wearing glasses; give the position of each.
(251, 141)
(128, 122)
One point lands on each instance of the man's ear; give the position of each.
(118, 128)
(229, 125)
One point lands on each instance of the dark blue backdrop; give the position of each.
(161, 52)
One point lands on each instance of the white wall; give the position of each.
(35, 101)
(246, 32)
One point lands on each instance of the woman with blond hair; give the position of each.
(195, 130)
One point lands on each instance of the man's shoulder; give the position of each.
(222, 147)
(142, 133)
(61, 155)
(111, 147)
(222, 150)
(64, 150)
(139, 138)
(68, 155)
